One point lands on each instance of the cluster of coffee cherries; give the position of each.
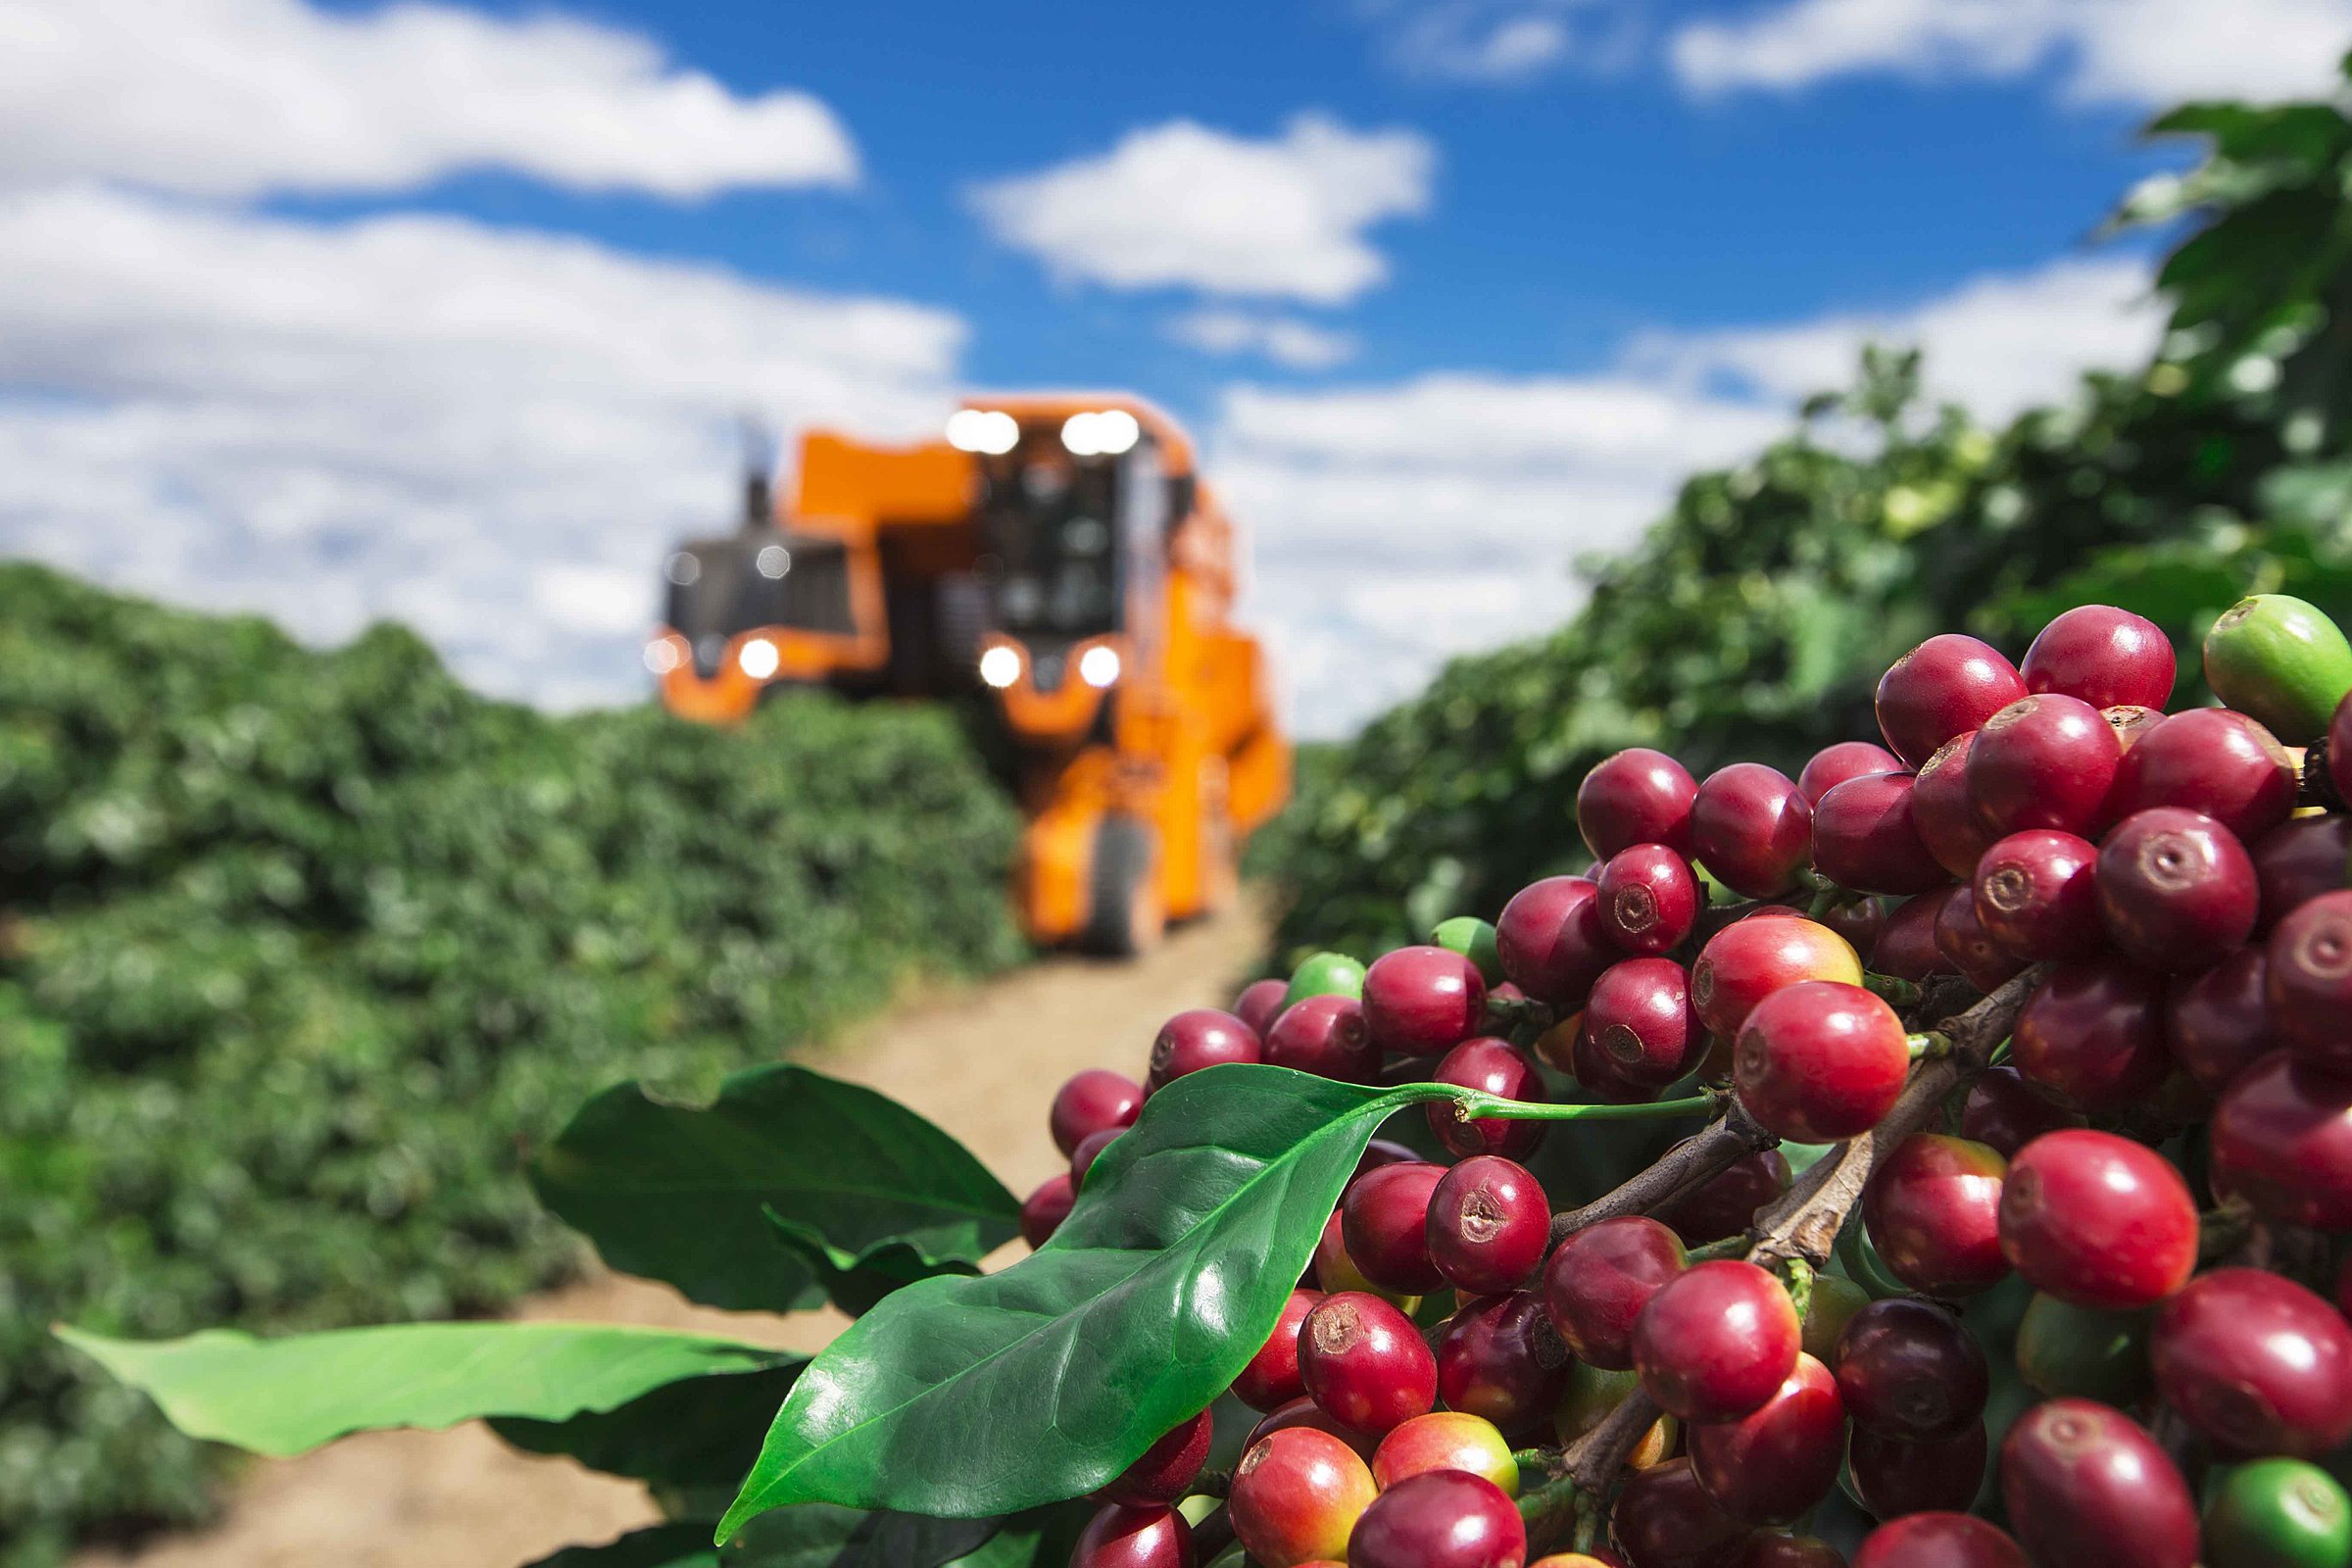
(2156, 1162)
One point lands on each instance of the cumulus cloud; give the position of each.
(1284, 339)
(1185, 205)
(237, 98)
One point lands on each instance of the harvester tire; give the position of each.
(1124, 913)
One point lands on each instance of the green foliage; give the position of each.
(302, 949)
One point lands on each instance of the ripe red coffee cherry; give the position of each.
(1421, 1000)
(1043, 1210)
(2296, 861)
(1947, 684)
(2043, 762)
(1446, 1440)
(2087, 1484)
(1297, 1494)
(2036, 895)
(1365, 1363)
(1910, 1369)
(1093, 1101)
(1665, 1519)
(2283, 1140)
(1969, 947)
(1906, 945)
(1820, 1061)
(1325, 1035)
(1939, 1541)
(1640, 1019)
(1260, 1003)
(2093, 1031)
(2176, 888)
(1726, 1204)
(1595, 1074)
(1893, 1477)
(1932, 1210)
(2098, 1220)
(1499, 1358)
(1600, 1278)
(2008, 1110)
(1384, 1220)
(1864, 838)
(1858, 921)
(2256, 1362)
(1751, 827)
(2217, 1023)
(1749, 960)
(1489, 1223)
(1497, 1067)
(1445, 1519)
(2104, 656)
(1165, 1470)
(1637, 796)
(1305, 1413)
(1942, 812)
(1122, 1536)
(1771, 1465)
(1716, 1341)
(1649, 898)
(1771, 1549)
(1082, 1159)
(1550, 941)
(1840, 761)
(2212, 761)
(2307, 982)
(1202, 1037)
(1271, 1377)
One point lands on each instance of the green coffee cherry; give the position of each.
(1474, 940)
(2281, 663)
(2064, 1351)
(1325, 974)
(2278, 1514)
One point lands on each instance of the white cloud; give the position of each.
(489, 434)
(1183, 204)
(236, 98)
(2119, 50)
(1284, 339)
(1504, 42)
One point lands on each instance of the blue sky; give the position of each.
(445, 311)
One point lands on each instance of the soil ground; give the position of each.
(981, 1062)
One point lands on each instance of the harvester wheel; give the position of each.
(1124, 913)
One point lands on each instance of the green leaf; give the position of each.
(282, 1397)
(855, 1281)
(696, 1432)
(685, 1543)
(681, 1192)
(821, 1536)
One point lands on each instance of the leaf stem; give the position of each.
(1472, 1106)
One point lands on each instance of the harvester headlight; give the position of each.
(772, 561)
(1101, 435)
(989, 431)
(1098, 666)
(758, 659)
(1001, 665)
(662, 655)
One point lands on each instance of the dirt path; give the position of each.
(980, 1062)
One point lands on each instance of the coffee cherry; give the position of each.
(2036, 894)
(2008, 1110)
(1043, 1210)
(1591, 1395)
(1305, 1413)
(2281, 660)
(1820, 1061)
(1942, 812)
(1716, 1341)
(1499, 1360)
(1202, 1037)
(1365, 1363)
(2176, 888)
(1637, 796)
(1939, 1541)
(1932, 1210)
(1910, 1369)
(1422, 1001)
(1551, 940)
(2278, 1514)
(1771, 1549)
(1093, 1101)
(1968, 947)
(1166, 1469)
(1749, 960)
(1726, 1204)
(2256, 1362)
(1259, 1005)
(2103, 654)
(2065, 1349)
(1600, 1279)
(1833, 1302)
(2098, 1220)
(1649, 898)
(1384, 1221)
(1947, 684)
(1297, 1494)
(1334, 1271)
(1640, 1019)
(2283, 1140)
(1893, 1477)
(2043, 762)
(1864, 838)
(2218, 1022)
(1326, 1036)
(1857, 921)
(2093, 1031)
(1489, 1223)
(1123, 1536)
(1906, 945)
(1446, 1440)
(1492, 1066)
(1665, 1519)
(1321, 974)
(2085, 1484)
(2212, 761)
(1082, 1159)
(1596, 1074)
(1840, 761)
(1445, 1519)
(1271, 1377)
(2307, 982)
(1750, 828)
(2296, 861)
(1771, 1465)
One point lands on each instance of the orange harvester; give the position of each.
(1060, 554)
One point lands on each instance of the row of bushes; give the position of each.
(301, 947)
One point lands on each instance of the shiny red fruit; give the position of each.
(1550, 941)
(1910, 1369)
(1489, 1224)
(1932, 1210)
(1043, 1210)
(2043, 762)
(1421, 1000)
(1649, 898)
(1942, 812)
(1384, 1222)
(1600, 1278)
(1726, 1204)
(1968, 947)
(2212, 761)
(1820, 1061)
(2036, 895)
(1202, 1037)
(1665, 1519)
(1641, 1020)
(1716, 1341)
(2256, 1362)
(2283, 1140)
(1947, 684)
(1443, 1519)
(2104, 656)
(1325, 1035)
(1749, 960)
(2339, 748)
(2175, 886)
(1444, 1439)
(1305, 1413)
(1365, 1363)
(1906, 945)
(1093, 1101)
(1637, 796)
(1939, 1541)
(2098, 1220)
(2093, 1031)
(1858, 921)
(1271, 1377)
(1121, 1537)
(1166, 1469)
(2307, 982)
(1893, 1477)
(2085, 1484)
(1499, 1358)
(2218, 1022)
(1260, 1003)
(2008, 1110)
(1595, 1074)
(1089, 1147)
(1864, 838)
(2296, 861)
(1773, 1464)
(1297, 1494)
(1751, 828)
(1497, 1067)
(1840, 761)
